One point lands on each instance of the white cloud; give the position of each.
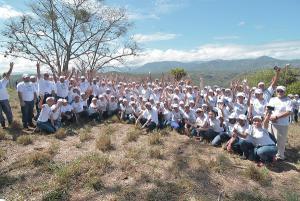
(167, 6)
(8, 12)
(154, 37)
(241, 23)
(280, 50)
(141, 16)
(233, 37)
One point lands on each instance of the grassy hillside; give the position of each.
(116, 161)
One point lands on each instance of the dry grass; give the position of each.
(2, 135)
(61, 134)
(221, 163)
(249, 196)
(155, 153)
(85, 136)
(2, 154)
(133, 153)
(38, 158)
(57, 194)
(109, 129)
(133, 135)
(103, 143)
(155, 139)
(260, 175)
(24, 140)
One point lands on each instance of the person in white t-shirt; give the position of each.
(62, 85)
(149, 118)
(45, 121)
(4, 98)
(94, 110)
(67, 113)
(268, 93)
(257, 104)
(56, 113)
(214, 127)
(280, 119)
(78, 108)
(27, 95)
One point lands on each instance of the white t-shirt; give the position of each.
(78, 107)
(62, 88)
(259, 136)
(45, 86)
(201, 121)
(66, 108)
(3, 92)
(241, 129)
(152, 114)
(268, 93)
(45, 113)
(215, 125)
(112, 106)
(281, 105)
(27, 90)
(84, 86)
(258, 107)
(56, 114)
(239, 108)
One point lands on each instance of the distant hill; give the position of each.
(241, 65)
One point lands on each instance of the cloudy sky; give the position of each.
(192, 30)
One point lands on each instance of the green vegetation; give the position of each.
(24, 140)
(103, 143)
(178, 73)
(261, 176)
(85, 136)
(133, 135)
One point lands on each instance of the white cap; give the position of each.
(281, 88)
(257, 117)
(82, 77)
(175, 105)
(240, 94)
(181, 103)
(232, 116)
(25, 75)
(258, 91)
(242, 117)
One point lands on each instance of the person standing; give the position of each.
(280, 119)
(4, 98)
(27, 96)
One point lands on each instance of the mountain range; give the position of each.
(240, 65)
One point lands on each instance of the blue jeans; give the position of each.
(265, 153)
(209, 134)
(222, 137)
(5, 107)
(246, 149)
(46, 127)
(27, 113)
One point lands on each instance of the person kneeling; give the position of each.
(149, 118)
(45, 120)
(94, 111)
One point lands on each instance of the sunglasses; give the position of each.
(280, 91)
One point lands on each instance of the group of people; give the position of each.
(252, 122)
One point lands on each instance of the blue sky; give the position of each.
(190, 30)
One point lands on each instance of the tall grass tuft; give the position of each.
(24, 140)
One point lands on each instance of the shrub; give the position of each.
(109, 129)
(85, 136)
(95, 183)
(155, 139)
(39, 158)
(2, 135)
(57, 194)
(249, 196)
(155, 153)
(133, 135)
(221, 163)
(261, 176)
(2, 154)
(53, 149)
(103, 143)
(292, 196)
(61, 133)
(24, 140)
(294, 88)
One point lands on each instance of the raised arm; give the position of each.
(38, 70)
(72, 73)
(275, 78)
(11, 65)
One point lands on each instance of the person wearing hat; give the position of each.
(56, 113)
(113, 108)
(201, 124)
(268, 92)
(177, 118)
(67, 113)
(264, 147)
(84, 84)
(4, 98)
(46, 88)
(149, 118)
(257, 104)
(189, 118)
(62, 85)
(78, 108)
(27, 95)
(126, 112)
(280, 119)
(215, 127)
(240, 107)
(94, 111)
(234, 144)
(45, 121)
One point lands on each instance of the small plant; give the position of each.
(103, 143)
(165, 132)
(133, 135)
(57, 194)
(2, 154)
(53, 149)
(109, 130)
(221, 163)
(155, 139)
(292, 196)
(261, 176)
(155, 153)
(249, 196)
(133, 153)
(39, 158)
(95, 183)
(85, 136)
(61, 134)
(2, 135)
(114, 119)
(24, 140)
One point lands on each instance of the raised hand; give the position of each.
(11, 64)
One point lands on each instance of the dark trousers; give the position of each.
(27, 113)
(6, 109)
(296, 115)
(209, 134)
(150, 127)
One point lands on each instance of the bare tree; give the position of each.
(85, 33)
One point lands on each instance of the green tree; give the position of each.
(178, 73)
(294, 88)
